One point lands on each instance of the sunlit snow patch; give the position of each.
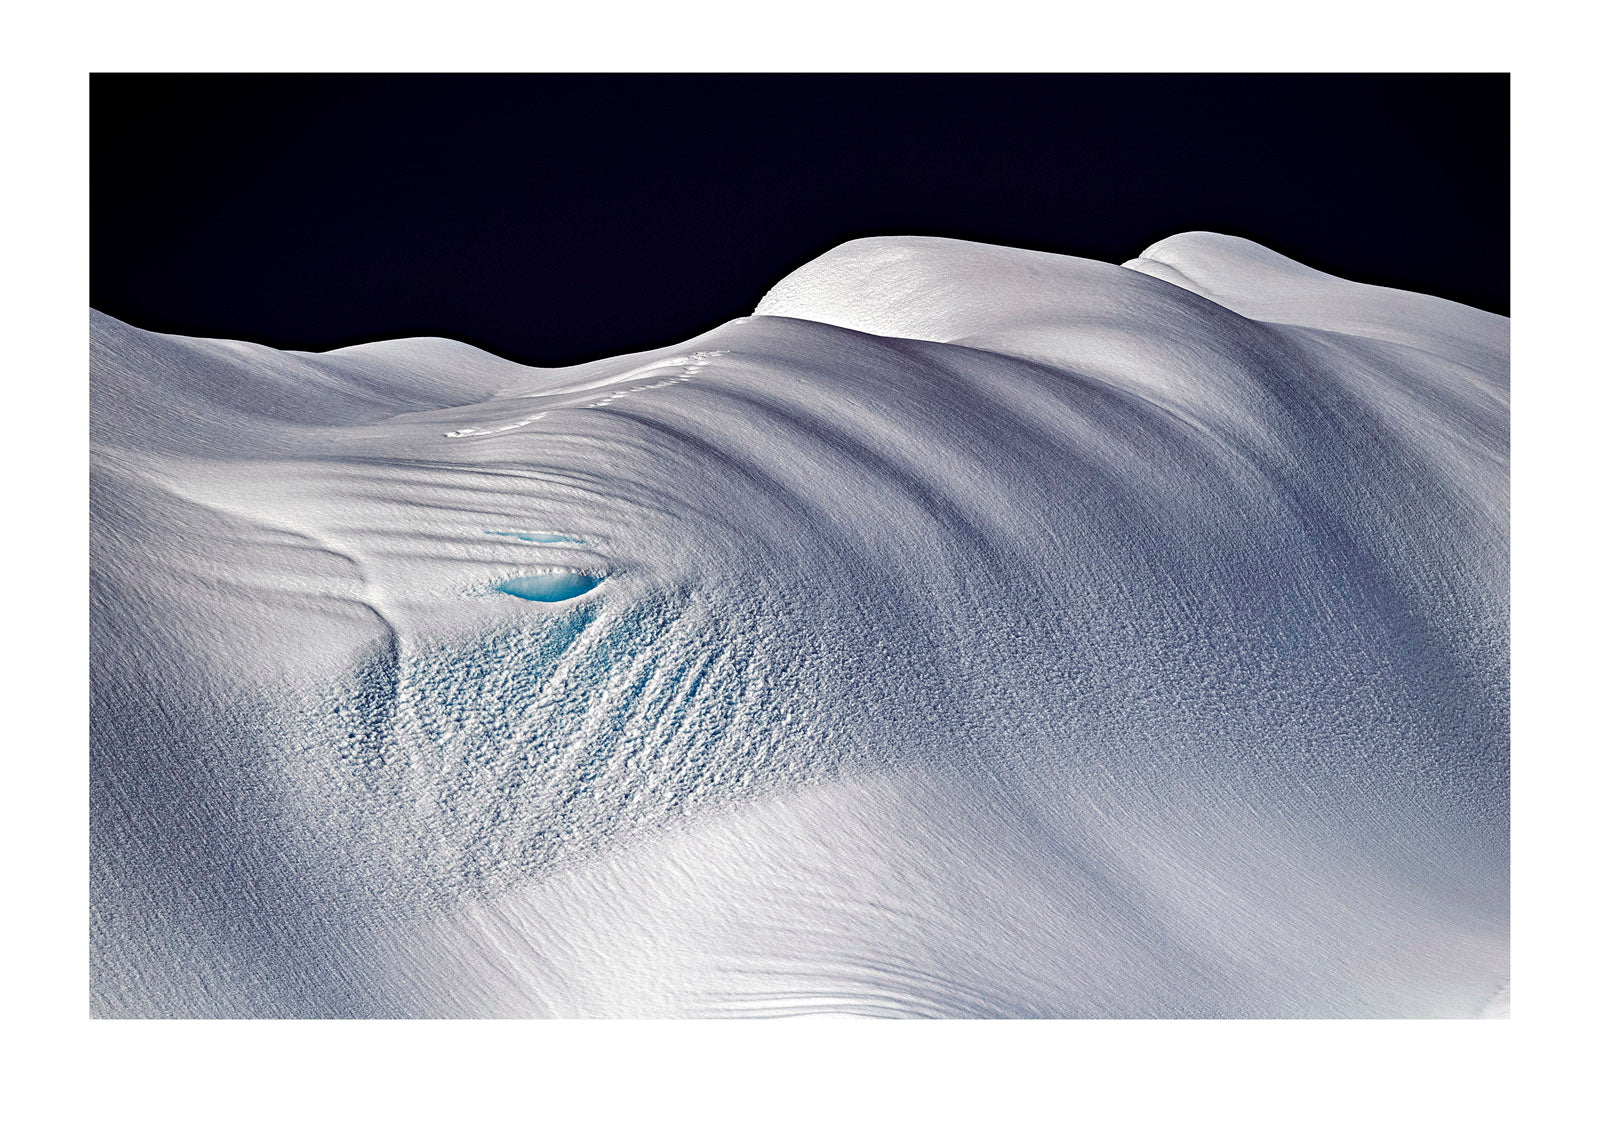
(534, 536)
(556, 585)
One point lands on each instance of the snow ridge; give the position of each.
(971, 632)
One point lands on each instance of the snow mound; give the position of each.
(971, 632)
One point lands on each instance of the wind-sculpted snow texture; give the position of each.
(971, 632)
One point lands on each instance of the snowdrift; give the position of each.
(970, 632)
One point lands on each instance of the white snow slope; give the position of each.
(979, 633)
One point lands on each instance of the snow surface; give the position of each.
(973, 632)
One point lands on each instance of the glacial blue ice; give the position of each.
(555, 585)
(543, 537)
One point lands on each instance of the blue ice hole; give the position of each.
(557, 585)
(536, 536)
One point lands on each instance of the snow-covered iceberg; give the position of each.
(969, 632)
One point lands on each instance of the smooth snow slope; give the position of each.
(978, 632)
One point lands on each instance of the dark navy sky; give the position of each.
(557, 218)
